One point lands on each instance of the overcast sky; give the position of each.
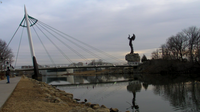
(103, 24)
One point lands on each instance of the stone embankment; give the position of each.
(54, 95)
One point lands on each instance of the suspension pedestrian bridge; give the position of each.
(73, 67)
(66, 49)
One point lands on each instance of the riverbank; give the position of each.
(173, 68)
(32, 95)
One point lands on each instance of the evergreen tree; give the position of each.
(144, 58)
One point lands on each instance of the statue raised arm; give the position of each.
(130, 42)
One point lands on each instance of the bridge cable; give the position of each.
(66, 44)
(56, 46)
(74, 43)
(9, 42)
(13, 36)
(19, 46)
(85, 44)
(43, 46)
(78, 45)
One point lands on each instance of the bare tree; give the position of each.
(92, 62)
(193, 36)
(156, 54)
(6, 53)
(183, 44)
(100, 62)
(177, 46)
(165, 52)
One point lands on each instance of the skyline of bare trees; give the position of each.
(183, 45)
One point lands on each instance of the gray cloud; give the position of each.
(104, 24)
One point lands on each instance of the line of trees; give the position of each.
(183, 45)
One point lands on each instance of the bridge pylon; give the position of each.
(35, 65)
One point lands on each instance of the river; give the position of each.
(127, 94)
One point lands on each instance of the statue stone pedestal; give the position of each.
(133, 59)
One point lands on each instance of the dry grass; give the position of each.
(28, 96)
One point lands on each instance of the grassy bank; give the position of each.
(35, 96)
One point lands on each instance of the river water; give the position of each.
(134, 95)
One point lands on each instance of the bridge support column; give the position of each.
(36, 71)
(35, 65)
(96, 69)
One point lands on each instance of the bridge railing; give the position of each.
(70, 66)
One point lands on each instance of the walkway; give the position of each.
(7, 89)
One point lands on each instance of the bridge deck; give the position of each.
(74, 67)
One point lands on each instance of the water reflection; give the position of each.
(70, 79)
(145, 85)
(182, 96)
(169, 94)
(134, 86)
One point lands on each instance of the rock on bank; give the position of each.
(33, 95)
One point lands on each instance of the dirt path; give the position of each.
(28, 97)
